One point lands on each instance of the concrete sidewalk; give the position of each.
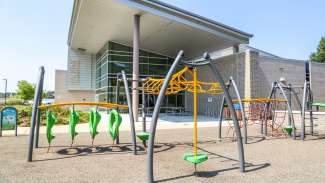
(164, 122)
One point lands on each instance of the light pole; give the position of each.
(5, 91)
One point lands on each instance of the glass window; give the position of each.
(112, 58)
(158, 70)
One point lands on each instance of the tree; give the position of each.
(25, 90)
(48, 94)
(319, 55)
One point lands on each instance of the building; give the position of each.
(143, 36)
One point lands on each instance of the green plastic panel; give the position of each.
(50, 121)
(114, 122)
(73, 120)
(94, 119)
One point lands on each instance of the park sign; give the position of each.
(8, 119)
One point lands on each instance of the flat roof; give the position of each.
(95, 22)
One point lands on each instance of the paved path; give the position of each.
(165, 122)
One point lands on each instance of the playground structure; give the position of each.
(94, 118)
(259, 109)
(265, 111)
(307, 104)
(166, 86)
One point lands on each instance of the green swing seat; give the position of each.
(317, 104)
(288, 129)
(143, 135)
(199, 158)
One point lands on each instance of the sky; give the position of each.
(35, 32)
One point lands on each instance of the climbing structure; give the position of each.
(256, 113)
(181, 82)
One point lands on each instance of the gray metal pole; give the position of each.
(267, 106)
(37, 97)
(233, 115)
(302, 131)
(241, 108)
(222, 107)
(135, 69)
(310, 108)
(16, 128)
(128, 98)
(144, 126)
(296, 98)
(289, 110)
(117, 98)
(290, 103)
(38, 118)
(155, 116)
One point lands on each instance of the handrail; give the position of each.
(101, 104)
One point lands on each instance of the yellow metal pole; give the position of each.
(195, 112)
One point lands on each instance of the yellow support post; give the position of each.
(195, 113)
(195, 158)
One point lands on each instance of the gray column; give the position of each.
(135, 71)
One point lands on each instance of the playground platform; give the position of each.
(268, 159)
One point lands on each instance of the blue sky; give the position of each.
(34, 32)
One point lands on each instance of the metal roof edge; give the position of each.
(196, 16)
(75, 9)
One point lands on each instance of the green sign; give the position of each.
(8, 118)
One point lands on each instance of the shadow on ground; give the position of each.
(249, 167)
(75, 151)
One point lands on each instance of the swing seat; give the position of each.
(199, 158)
(288, 129)
(143, 135)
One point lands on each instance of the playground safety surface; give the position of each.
(268, 159)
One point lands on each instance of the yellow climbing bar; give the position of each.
(101, 104)
(261, 100)
(180, 83)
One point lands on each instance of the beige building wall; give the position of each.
(64, 95)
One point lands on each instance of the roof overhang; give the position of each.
(163, 28)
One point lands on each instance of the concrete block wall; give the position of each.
(269, 70)
(318, 81)
(209, 105)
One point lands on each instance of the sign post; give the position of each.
(8, 119)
